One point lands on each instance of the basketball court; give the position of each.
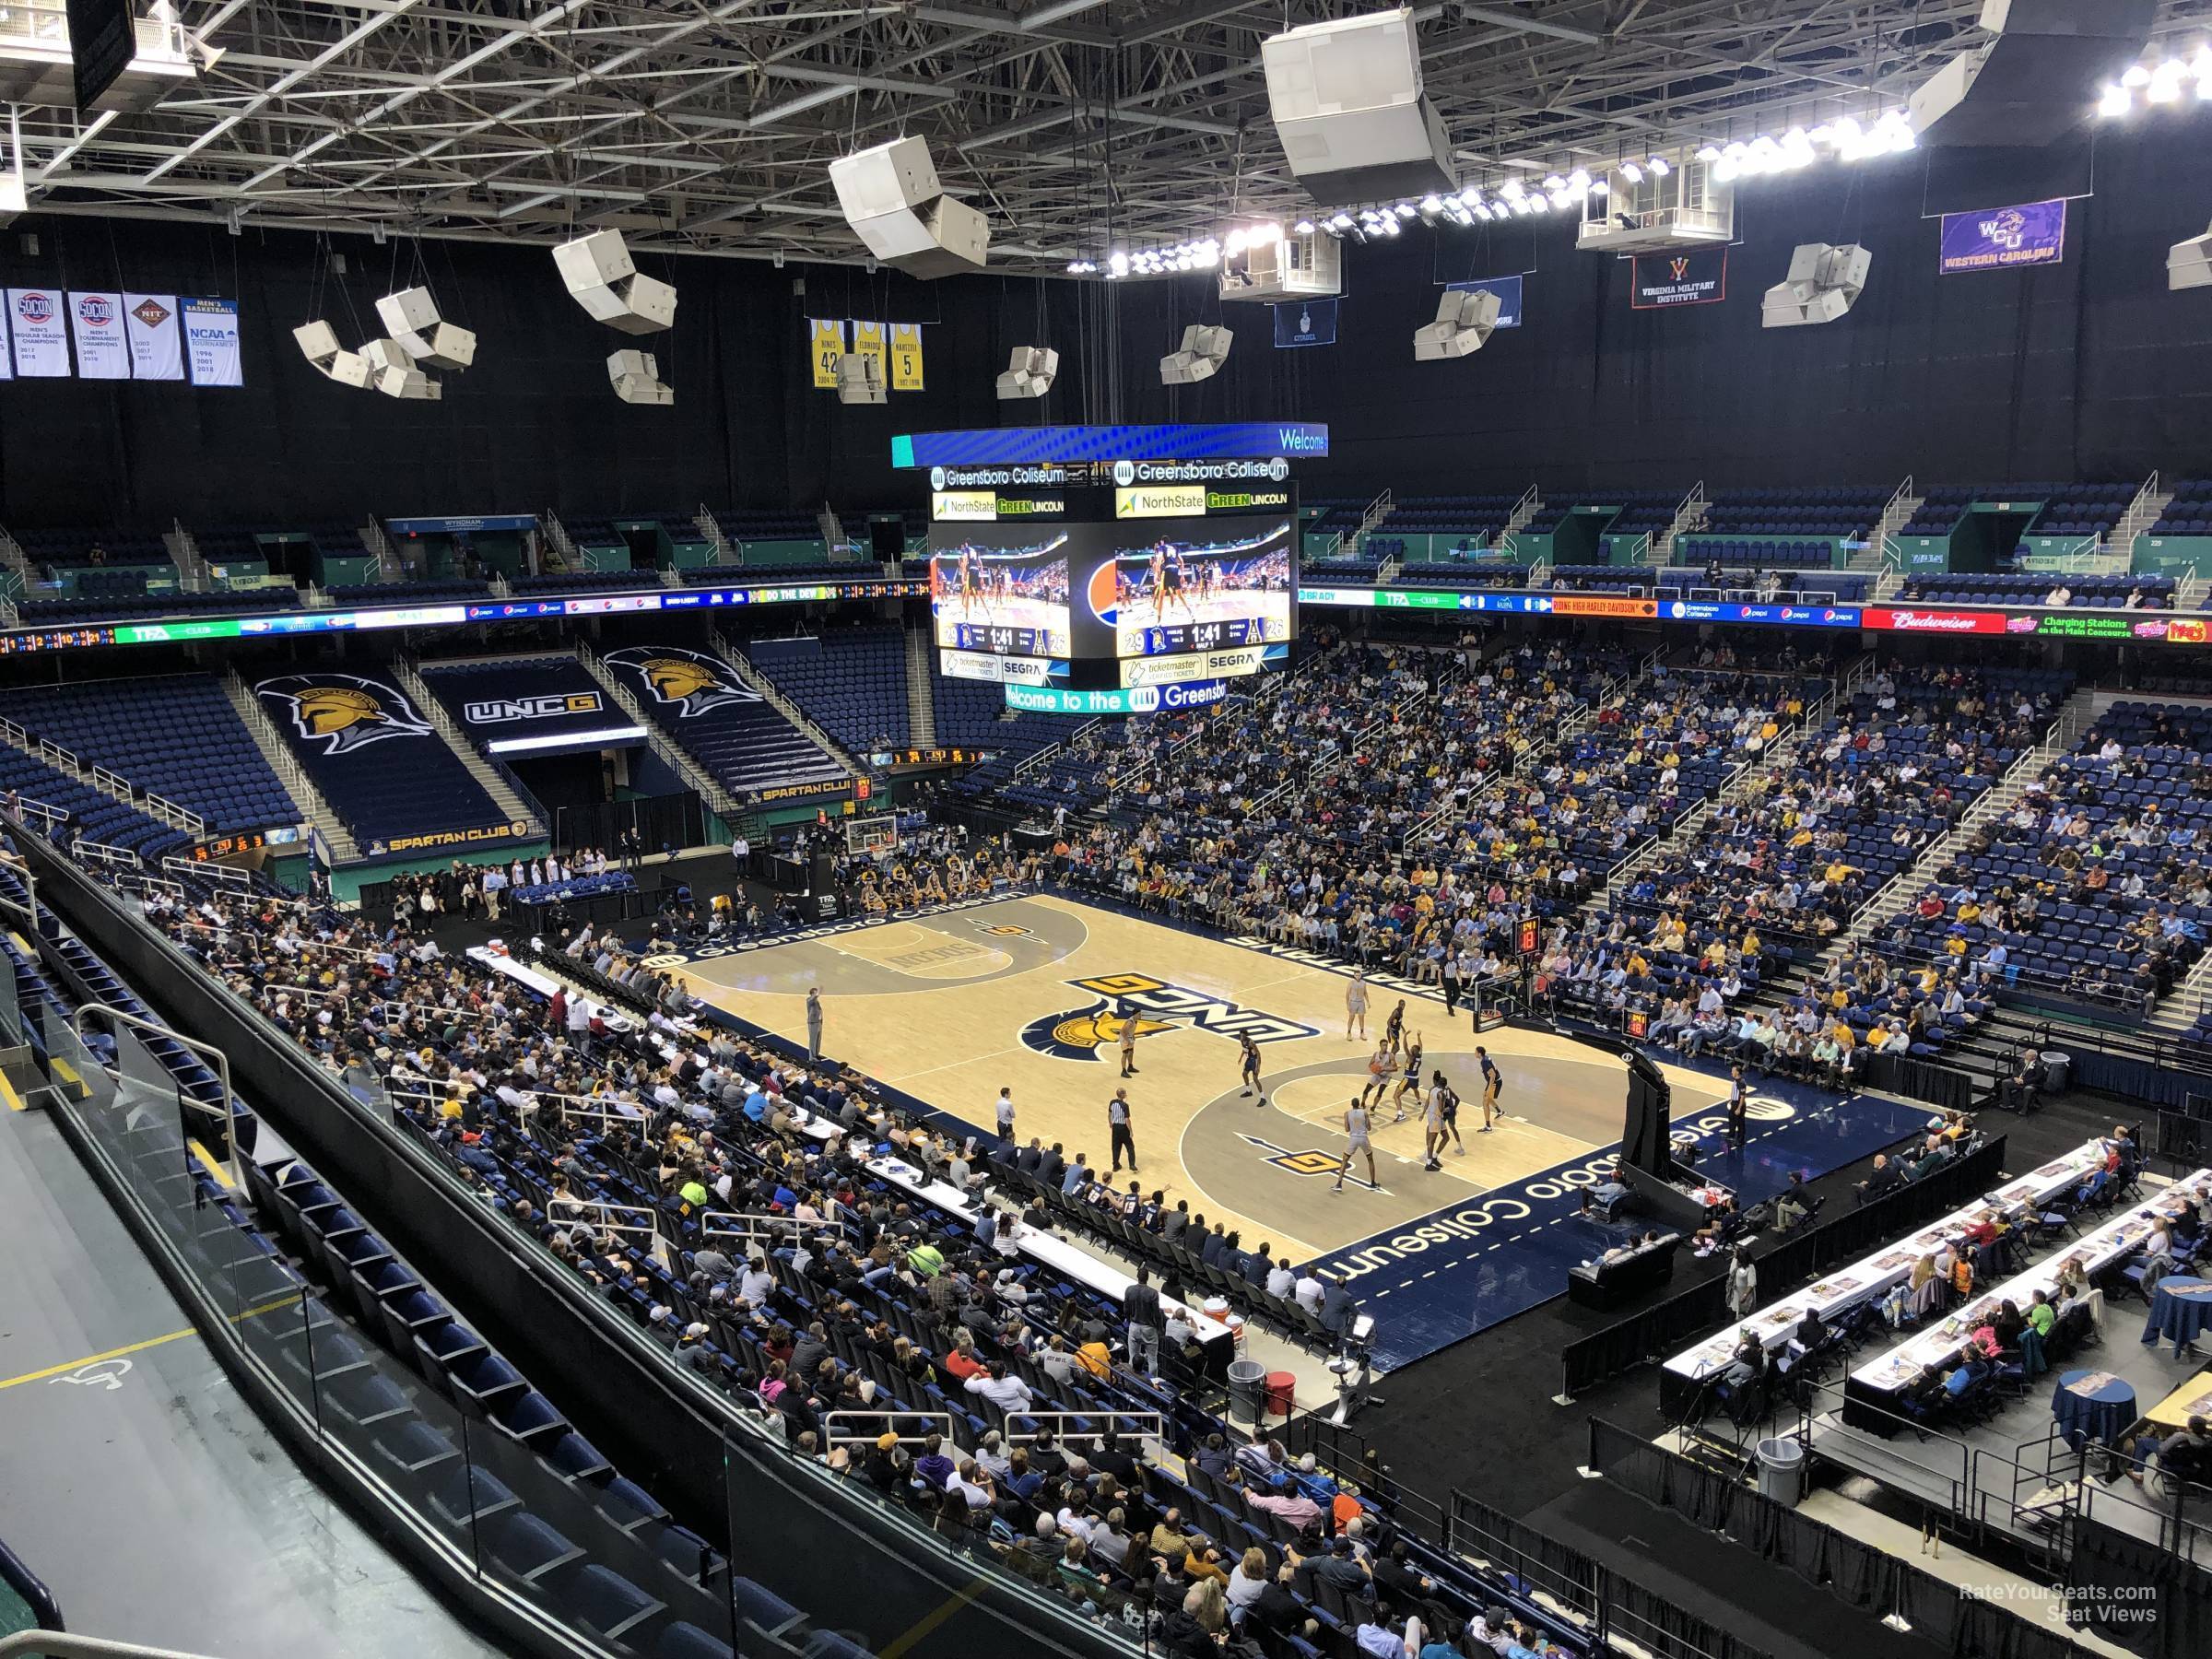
(1028, 992)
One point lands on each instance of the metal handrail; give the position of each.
(205, 1050)
(62, 1644)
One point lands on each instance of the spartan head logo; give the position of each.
(684, 681)
(343, 712)
(1082, 1032)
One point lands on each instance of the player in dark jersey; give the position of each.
(1491, 1084)
(1178, 583)
(1249, 1065)
(970, 563)
(1410, 1083)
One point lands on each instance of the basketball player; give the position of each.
(1433, 1123)
(1249, 1061)
(1129, 1043)
(1394, 1028)
(1178, 583)
(1410, 1084)
(970, 560)
(1157, 573)
(1378, 1074)
(1355, 1144)
(1491, 1084)
(1355, 1005)
(1448, 1110)
(1739, 1104)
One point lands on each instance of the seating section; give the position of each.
(1841, 512)
(140, 607)
(1730, 554)
(2043, 588)
(1842, 587)
(1944, 505)
(1481, 517)
(732, 731)
(142, 553)
(1642, 512)
(2091, 889)
(851, 680)
(97, 817)
(582, 582)
(2083, 509)
(2190, 511)
(973, 715)
(755, 524)
(386, 772)
(408, 592)
(176, 735)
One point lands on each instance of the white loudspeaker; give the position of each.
(2189, 263)
(1464, 318)
(393, 373)
(636, 378)
(319, 344)
(892, 197)
(412, 316)
(601, 279)
(1823, 283)
(1204, 349)
(1029, 373)
(859, 378)
(1346, 100)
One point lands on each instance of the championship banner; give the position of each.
(1660, 281)
(211, 334)
(157, 345)
(1507, 288)
(1306, 322)
(906, 357)
(2000, 239)
(868, 341)
(96, 325)
(827, 344)
(42, 338)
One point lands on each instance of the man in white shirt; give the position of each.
(1281, 1281)
(1308, 1292)
(1005, 1114)
(1007, 1392)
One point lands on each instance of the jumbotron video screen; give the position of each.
(1180, 586)
(1001, 589)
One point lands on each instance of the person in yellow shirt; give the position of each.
(1970, 910)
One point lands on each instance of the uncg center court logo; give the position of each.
(1082, 1034)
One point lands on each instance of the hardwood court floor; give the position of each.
(1026, 992)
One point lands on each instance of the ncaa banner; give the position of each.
(1507, 288)
(2001, 238)
(96, 325)
(42, 338)
(868, 341)
(1308, 323)
(211, 338)
(827, 344)
(906, 357)
(1661, 282)
(157, 344)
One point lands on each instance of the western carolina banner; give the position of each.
(1305, 323)
(1507, 288)
(906, 357)
(1693, 277)
(42, 338)
(211, 334)
(1998, 239)
(828, 344)
(157, 345)
(96, 325)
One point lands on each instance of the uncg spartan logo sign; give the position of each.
(686, 682)
(1081, 1033)
(342, 711)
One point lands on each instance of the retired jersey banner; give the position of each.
(868, 341)
(96, 325)
(827, 344)
(906, 357)
(1696, 276)
(2001, 238)
(41, 337)
(211, 343)
(157, 344)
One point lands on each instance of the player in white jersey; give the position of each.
(1357, 1144)
(1355, 1005)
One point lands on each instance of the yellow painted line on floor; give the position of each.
(138, 1348)
(919, 1632)
(116, 1353)
(7, 1093)
(220, 1170)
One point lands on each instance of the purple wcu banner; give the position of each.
(1998, 239)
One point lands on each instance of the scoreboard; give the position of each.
(1121, 575)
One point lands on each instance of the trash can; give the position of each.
(1247, 1389)
(2057, 1070)
(1282, 1393)
(1780, 1471)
